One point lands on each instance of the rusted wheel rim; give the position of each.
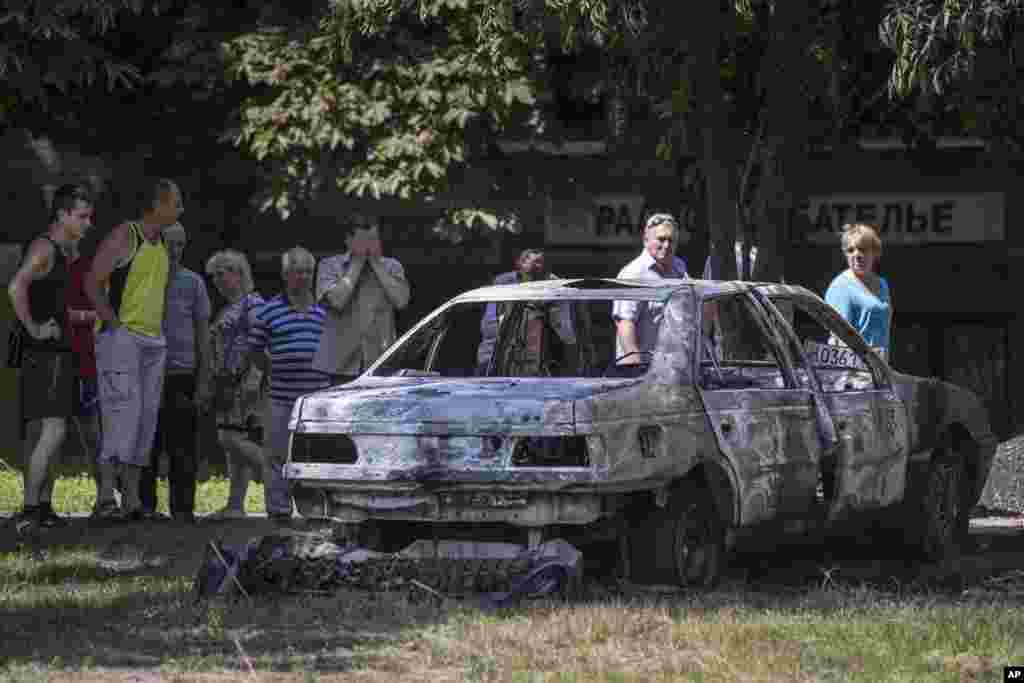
(696, 549)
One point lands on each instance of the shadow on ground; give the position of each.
(72, 609)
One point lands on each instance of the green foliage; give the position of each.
(378, 98)
(936, 42)
(50, 48)
(75, 492)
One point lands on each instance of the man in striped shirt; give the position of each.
(288, 327)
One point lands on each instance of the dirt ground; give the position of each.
(311, 627)
(176, 550)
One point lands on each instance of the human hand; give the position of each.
(48, 330)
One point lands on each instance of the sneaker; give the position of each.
(50, 519)
(108, 511)
(152, 516)
(27, 522)
(226, 514)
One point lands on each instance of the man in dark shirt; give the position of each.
(37, 292)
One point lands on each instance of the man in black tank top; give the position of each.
(47, 373)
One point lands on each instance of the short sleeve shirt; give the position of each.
(291, 337)
(187, 303)
(869, 313)
(646, 315)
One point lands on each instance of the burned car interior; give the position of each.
(535, 339)
(735, 352)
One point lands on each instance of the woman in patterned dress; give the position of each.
(237, 421)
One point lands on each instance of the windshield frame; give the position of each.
(519, 294)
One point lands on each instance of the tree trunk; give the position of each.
(785, 142)
(717, 153)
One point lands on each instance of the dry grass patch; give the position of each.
(619, 641)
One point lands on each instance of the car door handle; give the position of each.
(725, 426)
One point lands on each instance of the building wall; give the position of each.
(954, 276)
(955, 279)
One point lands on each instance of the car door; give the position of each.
(868, 469)
(764, 423)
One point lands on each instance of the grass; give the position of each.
(64, 618)
(75, 492)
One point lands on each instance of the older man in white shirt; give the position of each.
(637, 321)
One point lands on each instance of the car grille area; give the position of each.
(332, 449)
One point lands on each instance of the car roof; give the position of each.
(613, 288)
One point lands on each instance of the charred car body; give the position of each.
(758, 408)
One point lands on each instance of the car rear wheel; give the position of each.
(943, 520)
(682, 544)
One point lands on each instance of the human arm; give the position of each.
(36, 265)
(838, 297)
(335, 283)
(204, 350)
(625, 314)
(626, 330)
(391, 276)
(111, 251)
(257, 342)
(489, 322)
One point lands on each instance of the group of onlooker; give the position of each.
(127, 335)
(859, 294)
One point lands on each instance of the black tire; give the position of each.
(943, 516)
(698, 540)
(682, 544)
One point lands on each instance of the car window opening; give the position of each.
(533, 338)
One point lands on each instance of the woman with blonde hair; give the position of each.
(238, 390)
(859, 293)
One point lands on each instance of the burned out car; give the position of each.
(757, 409)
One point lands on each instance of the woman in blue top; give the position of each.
(859, 293)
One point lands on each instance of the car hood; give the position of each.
(535, 406)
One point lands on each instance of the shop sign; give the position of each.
(907, 218)
(603, 220)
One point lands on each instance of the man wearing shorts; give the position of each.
(47, 377)
(128, 286)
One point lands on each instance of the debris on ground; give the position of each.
(497, 574)
(126, 555)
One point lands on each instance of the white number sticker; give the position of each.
(832, 356)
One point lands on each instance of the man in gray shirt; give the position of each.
(637, 322)
(361, 290)
(186, 384)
